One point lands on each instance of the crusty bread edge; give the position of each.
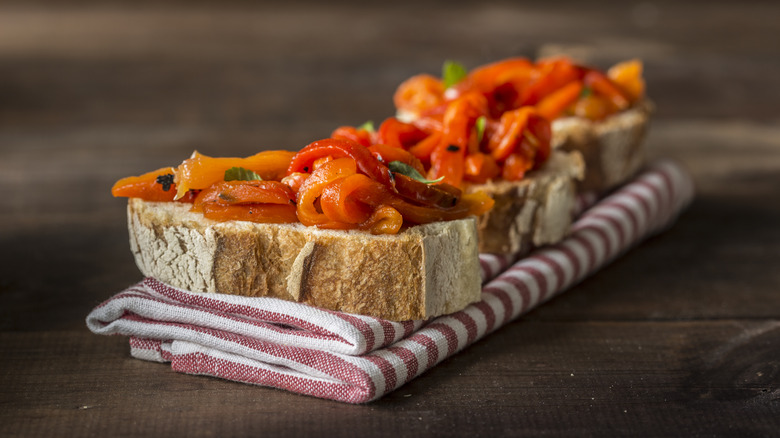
(422, 272)
(613, 149)
(534, 211)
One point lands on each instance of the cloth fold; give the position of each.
(357, 359)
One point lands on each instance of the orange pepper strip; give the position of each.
(515, 167)
(419, 93)
(448, 156)
(312, 188)
(506, 136)
(548, 76)
(628, 76)
(246, 192)
(398, 134)
(201, 171)
(338, 205)
(262, 213)
(593, 107)
(145, 186)
(480, 168)
(373, 193)
(440, 195)
(360, 136)
(554, 104)
(602, 85)
(384, 220)
(295, 181)
(339, 148)
(424, 148)
(470, 204)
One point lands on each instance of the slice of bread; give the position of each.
(613, 148)
(424, 271)
(534, 211)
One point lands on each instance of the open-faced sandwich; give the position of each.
(336, 225)
(519, 131)
(389, 222)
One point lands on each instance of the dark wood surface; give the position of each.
(680, 337)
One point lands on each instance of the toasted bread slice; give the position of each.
(534, 211)
(613, 149)
(424, 271)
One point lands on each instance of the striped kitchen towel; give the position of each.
(357, 359)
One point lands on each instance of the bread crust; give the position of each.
(532, 212)
(613, 149)
(424, 271)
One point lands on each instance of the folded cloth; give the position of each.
(357, 359)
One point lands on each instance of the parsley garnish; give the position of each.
(452, 73)
(481, 122)
(411, 172)
(586, 91)
(368, 126)
(241, 174)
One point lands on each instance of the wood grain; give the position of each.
(678, 337)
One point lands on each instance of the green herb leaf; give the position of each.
(368, 126)
(411, 172)
(452, 73)
(241, 174)
(586, 91)
(481, 122)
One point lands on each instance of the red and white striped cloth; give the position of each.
(357, 359)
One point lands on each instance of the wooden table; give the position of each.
(679, 337)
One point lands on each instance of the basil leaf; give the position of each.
(481, 122)
(411, 172)
(241, 174)
(452, 73)
(368, 126)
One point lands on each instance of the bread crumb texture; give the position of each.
(425, 271)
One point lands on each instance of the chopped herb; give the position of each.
(586, 91)
(452, 73)
(166, 181)
(411, 172)
(453, 148)
(368, 126)
(241, 174)
(481, 122)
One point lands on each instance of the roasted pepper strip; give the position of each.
(553, 105)
(388, 154)
(312, 188)
(384, 220)
(339, 148)
(628, 76)
(398, 134)
(337, 203)
(201, 171)
(548, 76)
(602, 85)
(432, 195)
(448, 156)
(262, 213)
(246, 192)
(360, 136)
(419, 94)
(151, 186)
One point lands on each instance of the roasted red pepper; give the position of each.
(339, 148)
